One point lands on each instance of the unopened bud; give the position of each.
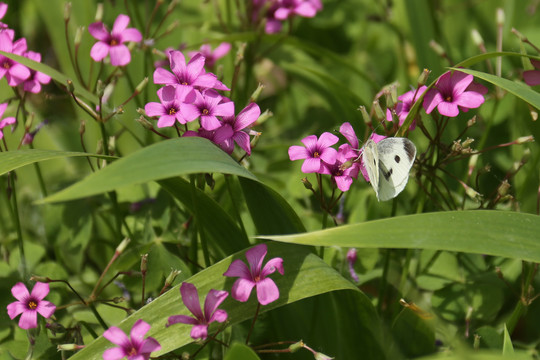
(255, 139)
(472, 163)
(307, 184)
(526, 155)
(321, 356)
(118, 299)
(476, 342)
(296, 346)
(122, 246)
(82, 127)
(467, 143)
(144, 263)
(379, 113)
(502, 190)
(145, 123)
(69, 347)
(264, 116)
(67, 11)
(473, 194)
(471, 121)
(141, 85)
(99, 12)
(346, 165)
(240, 54)
(439, 50)
(171, 277)
(119, 110)
(500, 17)
(256, 93)
(525, 139)
(534, 114)
(477, 38)
(38, 278)
(70, 86)
(78, 36)
(29, 121)
(365, 115)
(390, 103)
(423, 78)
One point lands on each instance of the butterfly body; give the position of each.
(388, 163)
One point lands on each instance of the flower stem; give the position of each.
(17, 221)
(253, 322)
(234, 204)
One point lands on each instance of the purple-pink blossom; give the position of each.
(210, 55)
(134, 347)
(30, 304)
(5, 121)
(201, 320)
(175, 102)
(315, 152)
(451, 93)
(352, 257)
(33, 82)
(191, 74)
(532, 77)
(345, 168)
(231, 130)
(255, 276)
(406, 102)
(14, 72)
(208, 106)
(112, 43)
(281, 10)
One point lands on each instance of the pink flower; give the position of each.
(208, 105)
(315, 152)
(212, 56)
(341, 175)
(192, 74)
(255, 276)
(231, 129)
(450, 93)
(173, 102)
(30, 304)
(134, 347)
(14, 72)
(304, 8)
(113, 43)
(403, 107)
(352, 256)
(5, 122)
(36, 78)
(200, 321)
(532, 77)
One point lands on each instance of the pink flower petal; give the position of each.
(242, 289)
(20, 292)
(189, 112)
(311, 165)
(120, 24)
(222, 50)
(166, 121)
(19, 72)
(531, 77)
(131, 34)
(46, 308)
(347, 131)
(267, 291)
(139, 330)
(343, 182)
(190, 298)
(247, 116)
(210, 122)
(298, 152)
(195, 66)
(470, 99)
(120, 55)
(3, 108)
(448, 109)
(224, 109)
(310, 142)
(182, 319)
(28, 320)
(199, 332)
(162, 76)
(212, 301)
(431, 100)
(329, 156)
(99, 31)
(178, 63)
(15, 308)
(116, 353)
(32, 86)
(154, 109)
(40, 290)
(238, 269)
(116, 336)
(271, 266)
(460, 81)
(255, 257)
(219, 316)
(150, 345)
(3, 9)
(242, 139)
(305, 9)
(327, 139)
(99, 51)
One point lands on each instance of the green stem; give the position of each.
(17, 221)
(384, 280)
(39, 176)
(98, 317)
(234, 203)
(253, 322)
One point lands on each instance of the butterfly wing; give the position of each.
(370, 159)
(396, 157)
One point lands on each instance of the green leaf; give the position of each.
(159, 161)
(11, 160)
(239, 351)
(499, 233)
(53, 73)
(306, 275)
(521, 90)
(477, 355)
(508, 348)
(413, 334)
(264, 204)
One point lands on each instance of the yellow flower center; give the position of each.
(172, 111)
(205, 112)
(32, 305)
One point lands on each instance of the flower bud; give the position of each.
(70, 86)
(78, 36)
(390, 102)
(439, 50)
(145, 123)
(379, 113)
(296, 346)
(365, 115)
(500, 17)
(525, 139)
(467, 143)
(240, 54)
(69, 347)
(422, 79)
(534, 114)
(67, 11)
(82, 127)
(264, 116)
(118, 299)
(255, 139)
(38, 278)
(255, 96)
(471, 121)
(477, 38)
(503, 188)
(99, 13)
(307, 184)
(144, 263)
(473, 160)
(122, 246)
(321, 356)
(141, 85)
(171, 277)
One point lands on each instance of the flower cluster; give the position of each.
(190, 93)
(15, 73)
(136, 346)
(278, 11)
(452, 92)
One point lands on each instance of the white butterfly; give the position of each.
(388, 163)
